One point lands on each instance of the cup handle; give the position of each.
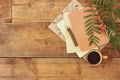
(105, 57)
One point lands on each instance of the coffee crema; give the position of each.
(94, 57)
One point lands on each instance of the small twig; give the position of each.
(72, 36)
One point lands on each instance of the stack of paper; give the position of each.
(70, 27)
(73, 5)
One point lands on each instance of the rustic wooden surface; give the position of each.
(30, 40)
(28, 34)
(57, 69)
(24, 33)
(5, 11)
(37, 10)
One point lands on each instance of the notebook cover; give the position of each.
(78, 27)
(71, 48)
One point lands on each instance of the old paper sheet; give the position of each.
(73, 5)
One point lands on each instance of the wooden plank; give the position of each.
(5, 11)
(57, 69)
(37, 10)
(30, 40)
(34, 40)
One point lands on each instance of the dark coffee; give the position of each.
(94, 57)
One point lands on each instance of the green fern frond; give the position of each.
(91, 28)
(116, 41)
(116, 12)
(108, 13)
(88, 24)
(91, 19)
(90, 15)
(89, 10)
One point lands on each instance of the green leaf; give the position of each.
(101, 2)
(91, 42)
(97, 28)
(116, 12)
(93, 1)
(88, 20)
(96, 38)
(91, 37)
(89, 24)
(109, 14)
(96, 41)
(97, 2)
(88, 15)
(89, 28)
(95, 44)
(92, 23)
(107, 17)
(90, 32)
(90, 10)
(110, 3)
(91, 19)
(97, 31)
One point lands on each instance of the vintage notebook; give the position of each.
(71, 48)
(69, 42)
(78, 27)
(73, 5)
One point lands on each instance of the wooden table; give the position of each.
(30, 51)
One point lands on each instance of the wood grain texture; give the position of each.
(23, 11)
(37, 10)
(57, 69)
(30, 37)
(34, 40)
(5, 11)
(30, 40)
